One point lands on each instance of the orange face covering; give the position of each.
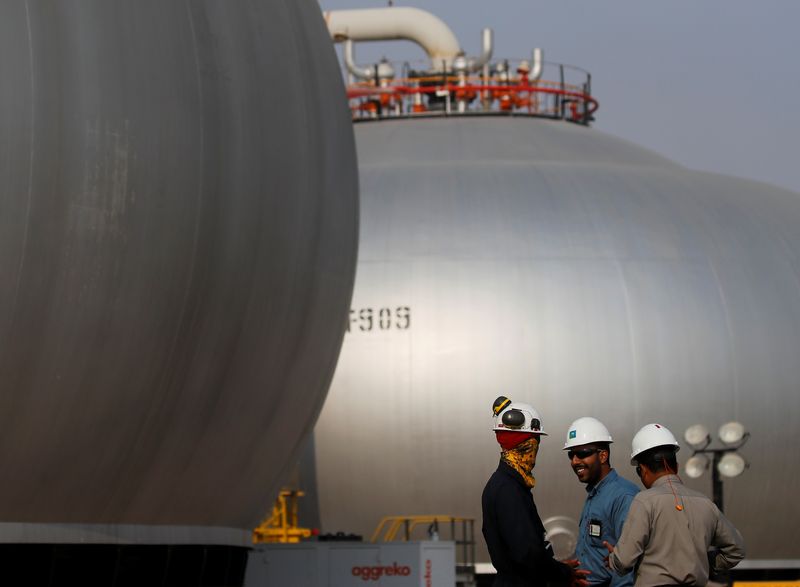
(522, 459)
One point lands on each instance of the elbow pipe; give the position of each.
(537, 65)
(486, 51)
(361, 73)
(395, 23)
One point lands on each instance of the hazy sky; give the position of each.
(712, 84)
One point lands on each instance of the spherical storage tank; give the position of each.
(560, 266)
(177, 249)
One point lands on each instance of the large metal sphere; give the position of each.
(177, 248)
(562, 267)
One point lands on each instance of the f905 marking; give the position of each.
(375, 319)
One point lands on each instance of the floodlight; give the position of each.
(696, 465)
(731, 465)
(562, 533)
(697, 436)
(731, 433)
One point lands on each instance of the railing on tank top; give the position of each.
(498, 90)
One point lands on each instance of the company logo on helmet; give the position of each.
(573, 433)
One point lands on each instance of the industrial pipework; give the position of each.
(395, 23)
(451, 83)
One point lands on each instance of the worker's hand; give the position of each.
(578, 575)
(610, 548)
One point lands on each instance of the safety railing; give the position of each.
(459, 530)
(496, 91)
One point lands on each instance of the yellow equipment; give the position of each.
(389, 526)
(282, 526)
(458, 530)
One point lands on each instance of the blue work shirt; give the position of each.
(606, 506)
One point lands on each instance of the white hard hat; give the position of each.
(516, 417)
(586, 430)
(651, 436)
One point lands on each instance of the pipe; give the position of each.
(486, 52)
(349, 61)
(387, 24)
(537, 65)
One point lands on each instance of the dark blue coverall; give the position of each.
(514, 534)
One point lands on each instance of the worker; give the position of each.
(670, 528)
(608, 498)
(513, 531)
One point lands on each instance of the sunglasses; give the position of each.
(582, 453)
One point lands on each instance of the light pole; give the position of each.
(725, 461)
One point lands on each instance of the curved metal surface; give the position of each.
(177, 248)
(566, 268)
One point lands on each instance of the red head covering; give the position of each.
(508, 439)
